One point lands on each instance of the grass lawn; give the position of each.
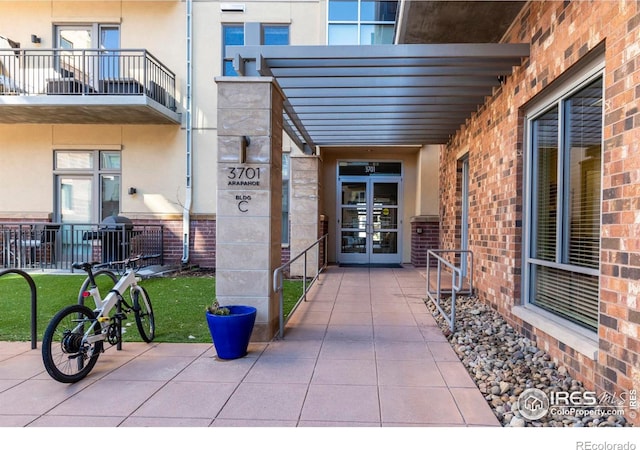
(179, 305)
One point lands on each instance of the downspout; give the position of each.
(186, 211)
(399, 22)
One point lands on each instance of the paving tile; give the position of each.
(386, 307)
(347, 350)
(442, 351)
(150, 368)
(16, 421)
(341, 404)
(388, 333)
(214, 370)
(420, 405)
(171, 349)
(253, 423)
(394, 350)
(36, 396)
(346, 307)
(409, 373)
(401, 319)
(265, 401)
(350, 318)
(350, 332)
(165, 422)
(330, 424)
(293, 349)
(99, 398)
(474, 408)
(345, 371)
(21, 366)
(75, 421)
(432, 334)
(310, 317)
(455, 374)
(185, 399)
(304, 332)
(278, 369)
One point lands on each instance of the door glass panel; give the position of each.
(354, 193)
(109, 61)
(354, 218)
(385, 242)
(71, 64)
(385, 193)
(354, 242)
(75, 199)
(110, 186)
(385, 218)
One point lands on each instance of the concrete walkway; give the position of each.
(362, 351)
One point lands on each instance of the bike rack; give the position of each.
(34, 302)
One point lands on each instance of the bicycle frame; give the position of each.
(103, 307)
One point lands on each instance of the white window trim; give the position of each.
(578, 338)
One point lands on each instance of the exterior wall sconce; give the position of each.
(35, 39)
(244, 143)
(132, 190)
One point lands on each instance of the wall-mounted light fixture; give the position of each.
(132, 190)
(244, 143)
(35, 39)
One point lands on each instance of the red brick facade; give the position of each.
(560, 35)
(425, 236)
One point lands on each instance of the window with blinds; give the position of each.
(566, 161)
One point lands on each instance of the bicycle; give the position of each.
(74, 338)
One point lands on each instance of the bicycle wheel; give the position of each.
(144, 313)
(66, 357)
(105, 279)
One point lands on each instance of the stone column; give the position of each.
(305, 211)
(249, 197)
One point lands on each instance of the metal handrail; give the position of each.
(34, 302)
(278, 279)
(457, 279)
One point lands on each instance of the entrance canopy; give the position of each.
(412, 94)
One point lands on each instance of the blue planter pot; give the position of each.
(231, 334)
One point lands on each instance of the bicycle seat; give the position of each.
(83, 265)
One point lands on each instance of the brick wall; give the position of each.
(202, 237)
(425, 236)
(560, 34)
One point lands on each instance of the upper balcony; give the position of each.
(85, 86)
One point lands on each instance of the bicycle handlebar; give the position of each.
(87, 266)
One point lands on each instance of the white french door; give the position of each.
(369, 220)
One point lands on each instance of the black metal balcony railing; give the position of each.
(47, 245)
(86, 72)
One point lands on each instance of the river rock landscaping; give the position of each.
(503, 364)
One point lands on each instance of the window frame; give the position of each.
(96, 173)
(556, 97)
(358, 22)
